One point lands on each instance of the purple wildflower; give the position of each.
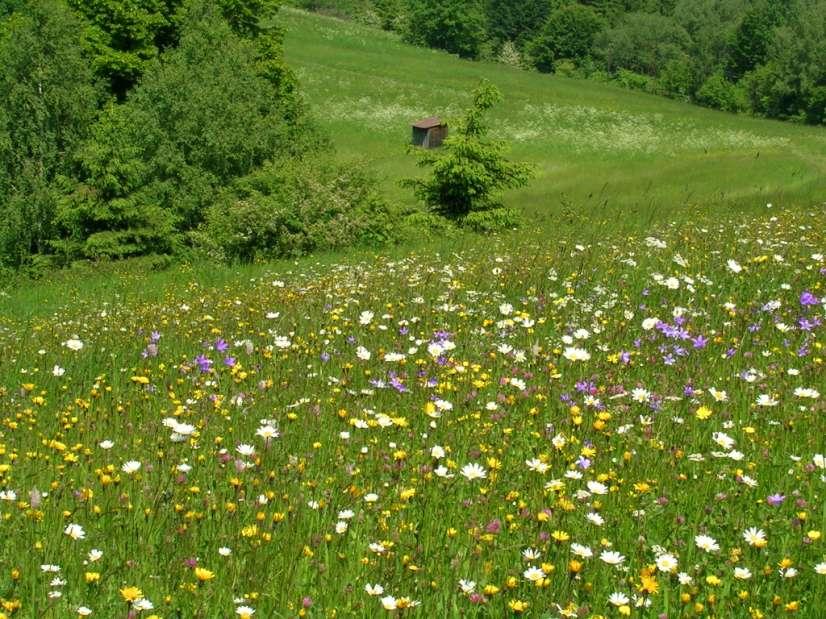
(775, 499)
(204, 363)
(699, 342)
(397, 384)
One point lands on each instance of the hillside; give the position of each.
(598, 148)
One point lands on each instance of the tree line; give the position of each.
(765, 57)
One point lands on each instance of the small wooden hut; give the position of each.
(429, 133)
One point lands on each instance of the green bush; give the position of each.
(124, 37)
(643, 43)
(568, 33)
(491, 220)
(635, 81)
(426, 224)
(293, 208)
(677, 78)
(790, 85)
(719, 93)
(456, 26)
(518, 21)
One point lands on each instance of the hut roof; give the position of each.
(428, 123)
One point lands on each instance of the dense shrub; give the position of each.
(792, 83)
(124, 36)
(643, 43)
(635, 81)
(568, 33)
(456, 26)
(293, 208)
(518, 21)
(751, 40)
(201, 117)
(677, 78)
(491, 220)
(719, 93)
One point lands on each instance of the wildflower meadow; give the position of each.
(613, 426)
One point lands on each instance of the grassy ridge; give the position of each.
(596, 147)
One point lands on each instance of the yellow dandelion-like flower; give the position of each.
(703, 412)
(518, 606)
(560, 536)
(649, 585)
(203, 574)
(130, 594)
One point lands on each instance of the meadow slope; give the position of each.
(612, 152)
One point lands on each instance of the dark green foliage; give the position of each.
(249, 18)
(516, 20)
(201, 117)
(456, 26)
(750, 42)
(792, 83)
(202, 98)
(643, 42)
(610, 10)
(7, 7)
(710, 24)
(470, 170)
(47, 104)
(568, 33)
(125, 35)
(292, 208)
(391, 13)
(635, 81)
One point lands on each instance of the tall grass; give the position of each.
(294, 438)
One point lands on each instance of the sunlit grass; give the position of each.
(632, 155)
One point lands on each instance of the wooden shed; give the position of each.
(429, 133)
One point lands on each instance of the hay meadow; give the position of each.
(616, 411)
